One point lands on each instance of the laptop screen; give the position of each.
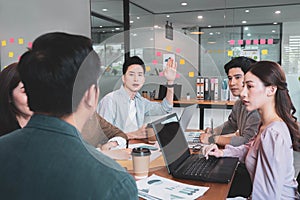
(172, 141)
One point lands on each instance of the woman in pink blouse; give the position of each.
(269, 156)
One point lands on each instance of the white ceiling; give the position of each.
(214, 12)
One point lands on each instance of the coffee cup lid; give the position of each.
(140, 151)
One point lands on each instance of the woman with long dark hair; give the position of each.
(269, 156)
(14, 109)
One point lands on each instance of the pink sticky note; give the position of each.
(240, 42)
(270, 41)
(154, 62)
(29, 44)
(255, 41)
(262, 41)
(11, 40)
(231, 42)
(19, 57)
(158, 53)
(161, 74)
(178, 50)
(248, 42)
(177, 75)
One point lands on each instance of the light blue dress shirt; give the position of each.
(114, 108)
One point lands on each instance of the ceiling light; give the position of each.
(277, 12)
(200, 17)
(100, 26)
(248, 34)
(273, 31)
(209, 26)
(167, 16)
(104, 10)
(117, 29)
(151, 39)
(244, 22)
(183, 3)
(196, 33)
(246, 11)
(131, 21)
(211, 33)
(137, 17)
(246, 28)
(156, 26)
(134, 34)
(275, 22)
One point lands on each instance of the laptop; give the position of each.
(192, 137)
(181, 163)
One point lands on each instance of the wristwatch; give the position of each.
(211, 140)
(170, 86)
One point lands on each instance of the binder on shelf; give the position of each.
(214, 88)
(200, 88)
(206, 88)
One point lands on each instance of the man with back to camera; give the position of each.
(48, 158)
(241, 125)
(126, 108)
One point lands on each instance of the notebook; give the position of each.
(181, 163)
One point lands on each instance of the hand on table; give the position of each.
(138, 134)
(109, 145)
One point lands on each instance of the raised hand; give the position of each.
(170, 71)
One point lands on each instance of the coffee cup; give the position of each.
(140, 160)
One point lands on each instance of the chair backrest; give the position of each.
(298, 180)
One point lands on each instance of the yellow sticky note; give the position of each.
(168, 48)
(191, 74)
(182, 61)
(21, 41)
(3, 43)
(264, 51)
(10, 54)
(148, 68)
(230, 53)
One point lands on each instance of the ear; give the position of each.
(123, 78)
(271, 90)
(91, 96)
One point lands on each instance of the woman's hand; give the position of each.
(212, 150)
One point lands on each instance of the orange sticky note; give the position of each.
(10, 54)
(230, 53)
(182, 61)
(168, 48)
(264, 51)
(191, 74)
(3, 43)
(21, 41)
(148, 68)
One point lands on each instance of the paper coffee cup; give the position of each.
(141, 160)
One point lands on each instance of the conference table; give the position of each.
(216, 191)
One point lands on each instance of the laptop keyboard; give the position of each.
(201, 167)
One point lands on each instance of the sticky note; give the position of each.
(270, 41)
(20, 41)
(219, 50)
(178, 50)
(191, 74)
(3, 43)
(29, 44)
(168, 48)
(262, 41)
(148, 68)
(158, 53)
(248, 42)
(177, 75)
(240, 42)
(264, 51)
(255, 41)
(230, 53)
(11, 40)
(182, 61)
(161, 74)
(154, 62)
(10, 54)
(231, 42)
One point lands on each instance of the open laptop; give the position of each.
(181, 163)
(192, 137)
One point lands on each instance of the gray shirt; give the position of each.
(242, 120)
(114, 108)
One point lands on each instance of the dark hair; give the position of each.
(134, 60)
(9, 80)
(51, 68)
(271, 74)
(241, 62)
